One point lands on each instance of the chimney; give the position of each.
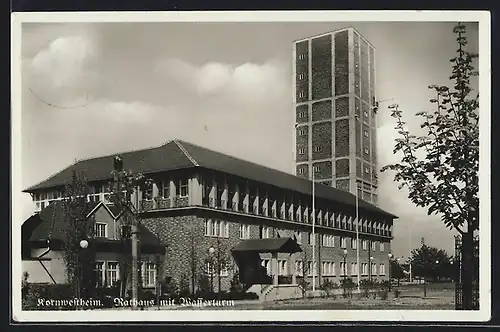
(118, 163)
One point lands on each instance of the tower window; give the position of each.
(301, 56)
(302, 76)
(302, 132)
(316, 169)
(301, 171)
(367, 170)
(366, 151)
(302, 94)
(302, 151)
(365, 133)
(318, 148)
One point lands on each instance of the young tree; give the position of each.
(194, 236)
(397, 271)
(445, 179)
(77, 228)
(125, 183)
(428, 262)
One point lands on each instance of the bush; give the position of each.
(327, 286)
(397, 292)
(31, 293)
(236, 285)
(347, 286)
(383, 294)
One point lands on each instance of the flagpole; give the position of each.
(313, 231)
(357, 234)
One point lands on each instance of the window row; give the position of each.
(210, 269)
(107, 274)
(216, 228)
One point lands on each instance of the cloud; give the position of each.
(246, 82)
(65, 63)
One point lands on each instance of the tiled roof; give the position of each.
(49, 225)
(285, 245)
(178, 154)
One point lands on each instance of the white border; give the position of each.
(483, 17)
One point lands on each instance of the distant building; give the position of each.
(204, 199)
(335, 112)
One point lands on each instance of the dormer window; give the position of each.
(100, 230)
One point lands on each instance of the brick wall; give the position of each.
(177, 232)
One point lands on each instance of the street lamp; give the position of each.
(211, 251)
(370, 268)
(83, 245)
(345, 256)
(390, 261)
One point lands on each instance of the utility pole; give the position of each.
(135, 245)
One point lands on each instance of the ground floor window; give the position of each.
(298, 268)
(149, 279)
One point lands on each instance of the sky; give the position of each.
(91, 89)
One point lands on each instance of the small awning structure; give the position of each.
(273, 245)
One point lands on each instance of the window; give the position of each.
(328, 268)
(343, 242)
(381, 246)
(367, 170)
(354, 243)
(316, 169)
(126, 231)
(165, 189)
(299, 268)
(318, 148)
(183, 188)
(310, 269)
(382, 269)
(302, 94)
(223, 272)
(99, 274)
(354, 268)
(216, 228)
(374, 269)
(209, 268)
(267, 264)
(302, 171)
(311, 238)
(282, 267)
(147, 194)
(244, 231)
(365, 133)
(302, 151)
(328, 241)
(149, 274)
(365, 244)
(374, 246)
(265, 232)
(302, 132)
(298, 236)
(208, 227)
(366, 151)
(302, 76)
(343, 268)
(365, 113)
(302, 56)
(364, 268)
(112, 273)
(100, 229)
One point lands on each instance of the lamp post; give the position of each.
(211, 251)
(83, 245)
(390, 262)
(399, 269)
(370, 268)
(345, 256)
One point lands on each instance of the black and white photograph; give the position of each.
(251, 166)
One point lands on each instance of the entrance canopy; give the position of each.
(274, 245)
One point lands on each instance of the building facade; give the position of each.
(203, 199)
(335, 112)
